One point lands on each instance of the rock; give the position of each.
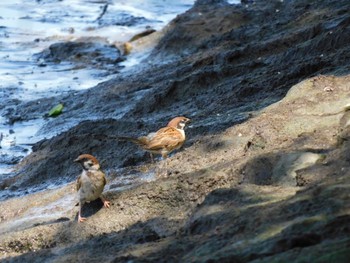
(262, 176)
(127, 46)
(9, 159)
(142, 34)
(285, 169)
(82, 52)
(121, 19)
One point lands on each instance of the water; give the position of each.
(27, 27)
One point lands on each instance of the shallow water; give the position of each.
(28, 27)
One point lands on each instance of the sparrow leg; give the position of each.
(165, 165)
(165, 157)
(80, 218)
(106, 203)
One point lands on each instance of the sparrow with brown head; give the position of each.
(90, 183)
(165, 140)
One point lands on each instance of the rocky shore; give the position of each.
(263, 176)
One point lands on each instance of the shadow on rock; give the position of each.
(284, 168)
(91, 208)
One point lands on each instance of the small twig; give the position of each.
(104, 10)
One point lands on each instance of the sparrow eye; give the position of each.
(88, 164)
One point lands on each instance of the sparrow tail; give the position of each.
(138, 141)
(130, 139)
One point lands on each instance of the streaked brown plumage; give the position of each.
(90, 182)
(165, 140)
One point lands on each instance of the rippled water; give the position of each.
(28, 27)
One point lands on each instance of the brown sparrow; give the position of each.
(90, 182)
(165, 140)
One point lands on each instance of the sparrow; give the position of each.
(90, 182)
(165, 140)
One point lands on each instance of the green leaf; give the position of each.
(55, 111)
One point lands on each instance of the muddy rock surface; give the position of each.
(83, 52)
(264, 175)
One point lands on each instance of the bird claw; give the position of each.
(106, 203)
(81, 219)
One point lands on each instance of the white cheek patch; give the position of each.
(182, 132)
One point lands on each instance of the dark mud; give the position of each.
(252, 184)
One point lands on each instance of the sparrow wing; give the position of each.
(78, 183)
(167, 137)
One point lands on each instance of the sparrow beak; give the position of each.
(76, 160)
